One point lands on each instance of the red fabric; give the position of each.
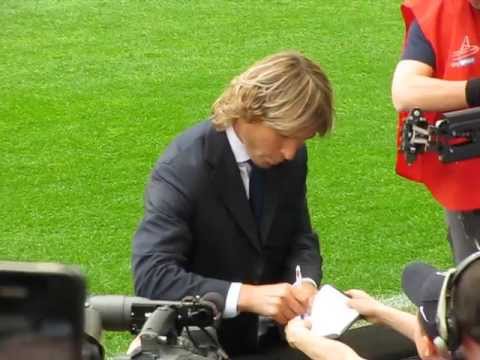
(453, 29)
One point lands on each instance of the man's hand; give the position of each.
(367, 306)
(304, 293)
(278, 301)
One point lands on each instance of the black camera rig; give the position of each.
(454, 137)
(183, 329)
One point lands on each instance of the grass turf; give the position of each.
(92, 91)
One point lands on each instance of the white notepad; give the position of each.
(331, 316)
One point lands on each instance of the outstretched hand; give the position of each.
(316, 347)
(366, 305)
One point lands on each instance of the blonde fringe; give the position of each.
(287, 91)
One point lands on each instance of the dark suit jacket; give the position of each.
(199, 234)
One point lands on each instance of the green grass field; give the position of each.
(91, 92)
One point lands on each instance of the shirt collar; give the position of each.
(238, 148)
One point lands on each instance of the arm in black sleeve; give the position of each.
(163, 243)
(305, 247)
(305, 251)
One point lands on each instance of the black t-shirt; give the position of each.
(418, 47)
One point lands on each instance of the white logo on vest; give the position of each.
(465, 55)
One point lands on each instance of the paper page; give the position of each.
(331, 315)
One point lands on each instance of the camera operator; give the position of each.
(447, 324)
(226, 209)
(439, 72)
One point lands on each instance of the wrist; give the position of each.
(299, 336)
(244, 298)
(382, 313)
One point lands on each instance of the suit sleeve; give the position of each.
(305, 248)
(163, 243)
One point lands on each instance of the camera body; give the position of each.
(41, 311)
(192, 345)
(44, 315)
(166, 329)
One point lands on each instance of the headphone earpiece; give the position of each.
(447, 327)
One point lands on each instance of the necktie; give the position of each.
(257, 191)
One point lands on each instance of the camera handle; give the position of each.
(160, 326)
(454, 137)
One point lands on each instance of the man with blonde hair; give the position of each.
(440, 72)
(226, 209)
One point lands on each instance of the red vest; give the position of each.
(453, 29)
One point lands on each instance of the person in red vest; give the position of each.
(440, 72)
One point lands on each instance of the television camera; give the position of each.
(166, 329)
(44, 315)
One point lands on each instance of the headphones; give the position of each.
(449, 337)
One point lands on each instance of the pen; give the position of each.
(298, 276)
(298, 280)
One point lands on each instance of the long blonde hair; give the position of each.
(287, 91)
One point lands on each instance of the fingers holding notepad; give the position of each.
(331, 315)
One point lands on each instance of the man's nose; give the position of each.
(289, 150)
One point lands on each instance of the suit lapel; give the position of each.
(226, 179)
